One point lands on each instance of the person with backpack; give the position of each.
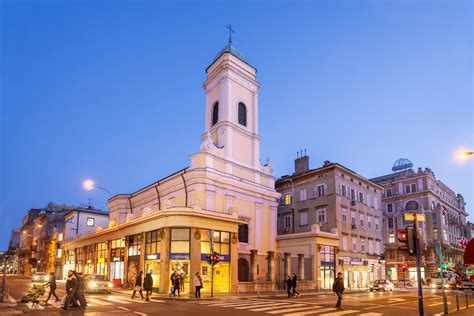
(138, 285)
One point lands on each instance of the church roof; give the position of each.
(229, 48)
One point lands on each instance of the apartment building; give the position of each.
(332, 216)
(406, 190)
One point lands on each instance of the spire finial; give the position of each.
(230, 33)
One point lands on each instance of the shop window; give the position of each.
(391, 238)
(180, 240)
(133, 245)
(102, 250)
(243, 233)
(152, 242)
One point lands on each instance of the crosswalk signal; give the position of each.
(404, 267)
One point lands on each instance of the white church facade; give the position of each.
(166, 226)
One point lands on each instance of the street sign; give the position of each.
(415, 216)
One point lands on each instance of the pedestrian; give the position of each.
(148, 285)
(71, 286)
(79, 297)
(338, 289)
(138, 285)
(294, 282)
(175, 282)
(182, 276)
(289, 286)
(198, 285)
(52, 287)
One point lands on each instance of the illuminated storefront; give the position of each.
(152, 256)
(102, 258)
(221, 244)
(179, 255)
(133, 267)
(80, 259)
(117, 247)
(89, 259)
(328, 266)
(70, 262)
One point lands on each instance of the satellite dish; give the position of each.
(402, 164)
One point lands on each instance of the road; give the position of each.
(399, 302)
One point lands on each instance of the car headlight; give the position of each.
(446, 285)
(92, 284)
(110, 285)
(36, 278)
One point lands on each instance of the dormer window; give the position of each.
(215, 113)
(242, 114)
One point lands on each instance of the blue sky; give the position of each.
(112, 90)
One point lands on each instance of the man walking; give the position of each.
(138, 285)
(79, 296)
(289, 286)
(52, 287)
(71, 286)
(338, 288)
(294, 281)
(148, 285)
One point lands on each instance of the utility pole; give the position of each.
(418, 270)
(440, 257)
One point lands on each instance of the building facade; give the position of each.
(224, 202)
(332, 217)
(420, 192)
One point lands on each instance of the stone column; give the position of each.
(195, 265)
(165, 261)
(317, 266)
(253, 265)
(234, 263)
(125, 263)
(271, 266)
(287, 264)
(142, 253)
(301, 266)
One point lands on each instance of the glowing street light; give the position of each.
(462, 155)
(90, 185)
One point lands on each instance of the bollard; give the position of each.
(457, 302)
(467, 303)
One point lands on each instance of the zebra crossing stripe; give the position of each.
(312, 312)
(232, 304)
(98, 302)
(116, 300)
(340, 313)
(280, 305)
(288, 310)
(259, 305)
(34, 306)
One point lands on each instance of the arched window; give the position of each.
(411, 206)
(243, 270)
(242, 114)
(215, 113)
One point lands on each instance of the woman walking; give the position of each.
(289, 286)
(198, 285)
(138, 285)
(52, 287)
(148, 285)
(294, 282)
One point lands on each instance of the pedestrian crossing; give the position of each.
(94, 301)
(280, 307)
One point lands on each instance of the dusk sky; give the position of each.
(112, 90)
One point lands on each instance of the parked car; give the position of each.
(39, 277)
(95, 283)
(381, 285)
(446, 279)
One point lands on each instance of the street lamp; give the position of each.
(463, 154)
(90, 185)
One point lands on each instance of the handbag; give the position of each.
(137, 288)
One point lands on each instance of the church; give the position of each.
(224, 202)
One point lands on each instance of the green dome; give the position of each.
(229, 48)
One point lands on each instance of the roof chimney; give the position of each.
(301, 163)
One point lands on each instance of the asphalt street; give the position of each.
(398, 302)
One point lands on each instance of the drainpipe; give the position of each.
(77, 223)
(158, 194)
(130, 203)
(185, 188)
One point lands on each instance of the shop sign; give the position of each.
(153, 256)
(346, 260)
(356, 261)
(221, 257)
(117, 259)
(101, 260)
(179, 256)
(89, 261)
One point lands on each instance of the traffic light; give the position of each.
(209, 259)
(215, 257)
(402, 239)
(411, 241)
(404, 267)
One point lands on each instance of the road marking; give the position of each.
(372, 314)
(157, 301)
(372, 307)
(232, 304)
(139, 313)
(280, 305)
(391, 300)
(124, 308)
(116, 300)
(312, 312)
(440, 303)
(289, 310)
(96, 301)
(340, 313)
(263, 305)
(34, 306)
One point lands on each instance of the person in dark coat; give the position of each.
(138, 285)
(175, 282)
(289, 286)
(338, 288)
(148, 285)
(79, 297)
(52, 287)
(294, 282)
(71, 286)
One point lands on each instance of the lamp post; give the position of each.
(463, 155)
(90, 185)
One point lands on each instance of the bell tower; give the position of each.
(232, 107)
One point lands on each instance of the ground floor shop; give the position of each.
(360, 272)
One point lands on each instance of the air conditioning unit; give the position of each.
(354, 226)
(353, 202)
